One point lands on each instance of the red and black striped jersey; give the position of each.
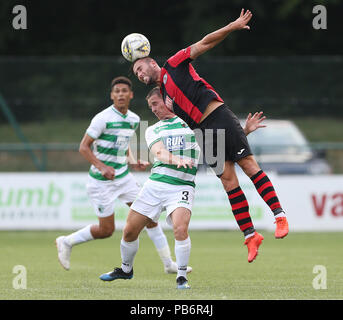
(189, 93)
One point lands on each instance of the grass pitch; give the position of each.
(284, 269)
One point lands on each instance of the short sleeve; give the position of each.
(96, 127)
(151, 137)
(180, 57)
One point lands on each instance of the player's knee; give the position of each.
(107, 231)
(181, 232)
(129, 234)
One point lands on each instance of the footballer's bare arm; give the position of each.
(86, 151)
(212, 39)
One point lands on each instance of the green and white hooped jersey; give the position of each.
(178, 139)
(112, 131)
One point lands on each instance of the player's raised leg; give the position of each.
(128, 246)
(267, 192)
(64, 244)
(240, 210)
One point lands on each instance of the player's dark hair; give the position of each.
(133, 63)
(154, 91)
(121, 79)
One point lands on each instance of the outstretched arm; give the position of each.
(253, 122)
(212, 39)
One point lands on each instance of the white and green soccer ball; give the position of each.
(135, 46)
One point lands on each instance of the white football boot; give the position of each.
(172, 268)
(63, 251)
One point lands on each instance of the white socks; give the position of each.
(79, 236)
(128, 252)
(160, 241)
(182, 253)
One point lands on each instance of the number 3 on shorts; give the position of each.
(185, 195)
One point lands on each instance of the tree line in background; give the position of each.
(38, 89)
(277, 66)
(92, 27)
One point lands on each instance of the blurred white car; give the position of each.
(282, 148)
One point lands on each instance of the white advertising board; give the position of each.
(59, 201)
(312, 203)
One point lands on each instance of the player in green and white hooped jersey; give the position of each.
(170, 187)
(109, 177)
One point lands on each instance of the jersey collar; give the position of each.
(119, 113)
(169, 120)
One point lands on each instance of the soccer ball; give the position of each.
(135, 46)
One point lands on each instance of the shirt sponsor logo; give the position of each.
(122, 142)
(174, 142)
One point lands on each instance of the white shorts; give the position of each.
(156, 197)
(102, 194)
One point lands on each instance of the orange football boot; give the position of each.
(282, 229)
(253, 243)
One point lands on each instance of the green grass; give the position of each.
(283, 269)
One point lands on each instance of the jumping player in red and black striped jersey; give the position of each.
(196, 102)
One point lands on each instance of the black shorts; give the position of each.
(221, 138)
